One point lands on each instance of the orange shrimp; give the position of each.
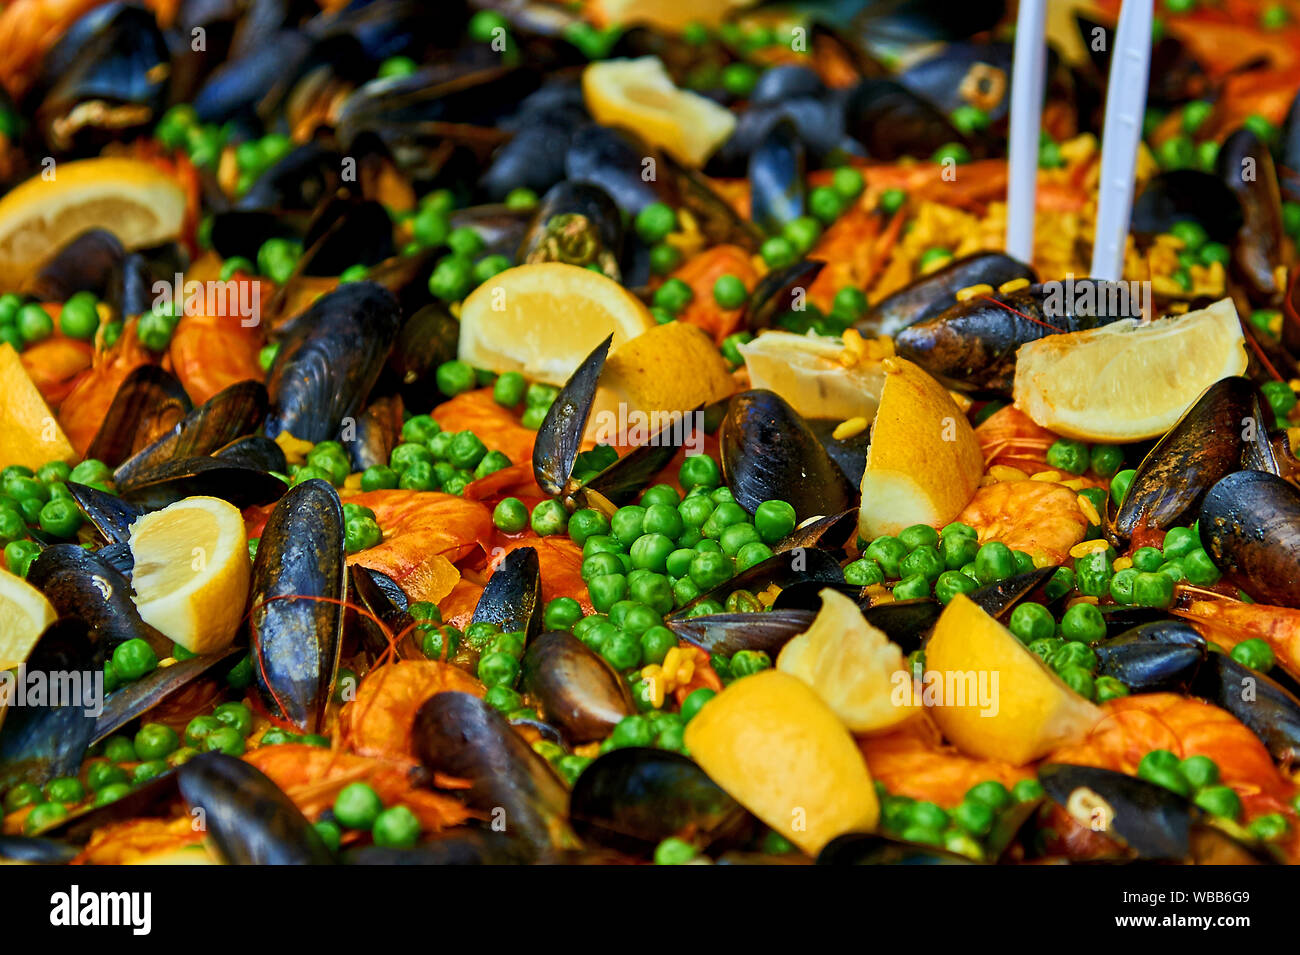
(1037, 517)
(913, 761)
(497, 427)
(1132, 726)
(312, 777)
(457, 608)
(700, 272)
(560, 560)
(378, 722)
(208, 353)
(54, 364)
(87, 403)
(1230, 621)
(139, 840)
(425, 533)
(27, 29)
(853, 251)
(1011, 437)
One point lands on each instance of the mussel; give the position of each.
(575, 687)
(936, 292)
(297, 593)
(1250, 527)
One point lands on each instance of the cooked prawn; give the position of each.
(1038, 517)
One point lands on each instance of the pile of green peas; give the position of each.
(1076, 457)
(942, 564)
(430, 459)
(1197, 778)
(179, 128)
(41, 499)
(965, 828)
(225, 730)
(360, 528)
(359, 807)
(24, 322)
(1065, 647)
(1150, 580)
(568, 765)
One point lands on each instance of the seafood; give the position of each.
(467, 620)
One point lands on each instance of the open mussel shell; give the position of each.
(559, 439)
(90, 262)
(232, 413)
(782, 570)
(935, 293)
(999, 598)
(1257, 253)
(864, 848)
(377, 431)
(729, 633)
(385, 606)
(35, 850)
(627, 477)
(79, 584)
(907, 623)
(849, 454)
(426, 339)
(576, 689)
(254, 451)
(41, 741)
(1205, 445)
(769, 452)
(778, 192)
(891, 121)
(127, 702)
(330, 360)
(1147, 821)
(512, 598)
(111, 516)
(459, 734)
(155, 798)
(830, 533)
(807, 595)
(174, 480)
(633, 798)
(1268, 707)
(249, 820)
(297, 593)
(148, 404)
(1186, 195)
(1250, 527)
(576, 223)
(778, 291)
(1163, 655)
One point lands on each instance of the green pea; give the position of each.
(1083, 622)
(709, 569)
(1153, 590)
(1119, 485)
(1200, 569)
(974, 817)
(994, 562)
(1071, 456)
(912, 588)
(43, 816)
(699, 470)
(156, 741)
(888, 552)
(1092, 573)
(133, 659)
(549, 518)
(357, 806)
(748, 662)
(1200, 771)
(951, 583)
(863, 572)
(1179, 542)
(1032, 621)
(1108, 688)
(1147, 559)
(1219, 801)
(1254, 653)
(101, 774)
(1121, 585)
(510, 515)
(66, 789)
(1270, 827)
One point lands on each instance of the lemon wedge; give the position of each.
(1128, 380)
(1029, 711)
(646, 375)
(771, 742)
(639, 95)
(29, 433)
(543, 320)
(192, 571)
(807, 372)
(924, 461)
(24, 615)
(133, 199)
(852, 666)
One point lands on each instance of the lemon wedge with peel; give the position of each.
(807, 372)
(29, 433)
(771, 742)
(542, 320)
(645, 375)
(852, 666)
(1128, 380)
(24, 615)
(993, 697)
(133, 199)
(924, 461)
(640, 95)
(192, 571)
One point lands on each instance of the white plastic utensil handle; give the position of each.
(1028, 72)
(1126, 96)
